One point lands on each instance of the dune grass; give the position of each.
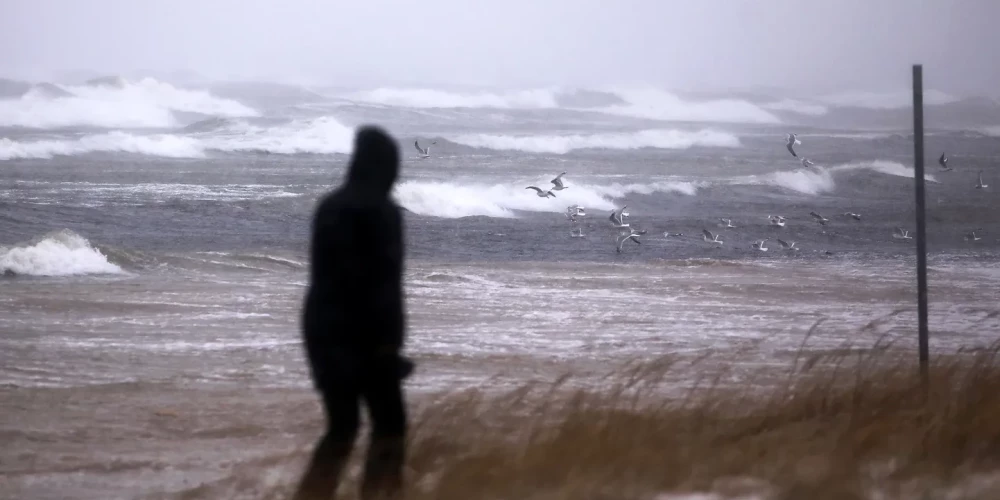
(841, 424)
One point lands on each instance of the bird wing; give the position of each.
(533, 187)
(416, 145)
(708, 234)
(790, 150)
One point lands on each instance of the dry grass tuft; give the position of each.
(841, 424)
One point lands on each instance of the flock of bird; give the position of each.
(627, 233)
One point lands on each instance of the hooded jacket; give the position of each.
(354, 303)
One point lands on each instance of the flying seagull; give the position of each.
(577, 232)
(574, 211)
(424, 152)
(632, 235)
(557, 184)
(777, 220)
(618, 217)
(943, 161)
(852, 215)
(791, 140)
(541, 194)
(727, 223)
(819, 218)
(902, 234)
(980, 185)
(759, 245)
(805, 162)
(711, 238)
(972, 236)
(786, 245)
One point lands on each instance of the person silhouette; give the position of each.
(354, 321)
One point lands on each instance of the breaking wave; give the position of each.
(62, 253)
(454, 200)
(884, 167)
(820, 180)
(660, 105)
(146, 103)
(317, 136)
(561, 144)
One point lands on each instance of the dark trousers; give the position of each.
(380, 388)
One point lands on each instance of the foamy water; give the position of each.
(64, 253)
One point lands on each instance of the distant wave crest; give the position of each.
(146, 103)
(322, 135)
(561, 144)
(430, 98)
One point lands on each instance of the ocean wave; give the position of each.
(796, 106)
(322, 135)
(885, 100)
(884, 167)
(166, 145)
(430, 98)
(561, 144)
(62, 253)
(146, 103)
(660, 105)
(454, 200)
(992, 131)
(818, 180)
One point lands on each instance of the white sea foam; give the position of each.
(453, 200)
(661, 105)
(142, 104)
(322, 135)
(561, 144)
(430, 98)
(63, 253)
(992, 131)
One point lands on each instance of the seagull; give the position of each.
(819, 218)
(943, 161)
(618, 217)
(577, 232)
(806, 163)
(972, 236)
(852, 215)
(728, 223)
(711, 238)
(557, 183)
(759, 245)
(980, 185)
(791, 140)
(669, 234)
(541, 194)
(574, 211)
(786, 245)
(632, 235)
(777, 220)
(424, 152)
(902, 234)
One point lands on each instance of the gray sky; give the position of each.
(802, 44)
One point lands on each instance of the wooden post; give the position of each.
(918, 178)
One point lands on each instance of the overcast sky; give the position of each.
(684, 44)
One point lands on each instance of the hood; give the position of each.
(375, 163)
